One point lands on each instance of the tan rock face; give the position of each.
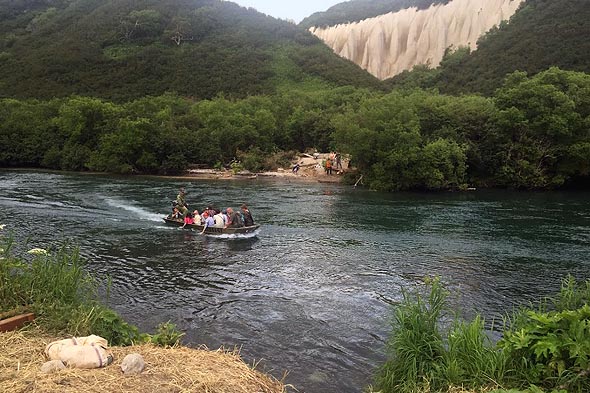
(389, 44)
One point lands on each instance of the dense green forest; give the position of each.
(533, 133)
(126, 49)
(357, 10)
(543, 33)
(154, 87)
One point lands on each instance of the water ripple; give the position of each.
(311, 293)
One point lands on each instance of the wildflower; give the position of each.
(38, 251)
(2, 226)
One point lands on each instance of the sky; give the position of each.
(288, 9)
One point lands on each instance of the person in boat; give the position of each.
(248, 220)
(197, 217)
(175, 215)
(235, 219)
(211, 210)
(209, 222)
(180, 202)
(188, 219)
(219, 221)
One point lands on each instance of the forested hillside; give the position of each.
(357, 10)
(126, 49)
(543, 33)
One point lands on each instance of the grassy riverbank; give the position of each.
(544, 348)
(65, 299)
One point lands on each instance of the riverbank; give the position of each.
(176, 369)
(310, 169)
(54, 286)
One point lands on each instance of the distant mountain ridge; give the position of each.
(358, 10)
(542, 34)
(125, 49)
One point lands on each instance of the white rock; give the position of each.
(52, 366)
(133, 364)
(389, 44)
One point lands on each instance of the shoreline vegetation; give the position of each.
(531, 134)
(544, 347)
(311, 170)
(68, 302)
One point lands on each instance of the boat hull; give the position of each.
(214, 231)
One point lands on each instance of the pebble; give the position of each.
(52, 366)
(133, 364)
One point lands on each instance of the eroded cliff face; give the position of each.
(394, 42)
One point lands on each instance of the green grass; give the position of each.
(64, 297)
(424, 358)
(546, 349)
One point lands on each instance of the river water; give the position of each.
(311, 294)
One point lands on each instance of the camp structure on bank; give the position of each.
(175, 369)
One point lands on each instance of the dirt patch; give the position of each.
(310, 169)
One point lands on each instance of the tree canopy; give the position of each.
(533, 133)
(357, 10)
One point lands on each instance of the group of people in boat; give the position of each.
(210, 216)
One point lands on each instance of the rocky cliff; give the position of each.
(389, 44)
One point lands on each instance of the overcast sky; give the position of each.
(287, 9)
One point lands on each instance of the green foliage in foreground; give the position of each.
(542, 350)
(64, 297)
(550, 346)
(423, 358)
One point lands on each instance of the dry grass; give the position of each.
(175, 370)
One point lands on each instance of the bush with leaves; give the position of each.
(551, 348)
(543, 350)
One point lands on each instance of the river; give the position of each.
(311, 294)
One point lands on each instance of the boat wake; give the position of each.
(234, 235)
(136, 210)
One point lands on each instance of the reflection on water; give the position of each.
(311, 292)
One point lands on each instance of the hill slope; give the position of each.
(125, 49)
(543, 33)
(357, 10)
(389, 44)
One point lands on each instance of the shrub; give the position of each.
(544, 350)
(552, 348)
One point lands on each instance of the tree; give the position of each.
(542, 117)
